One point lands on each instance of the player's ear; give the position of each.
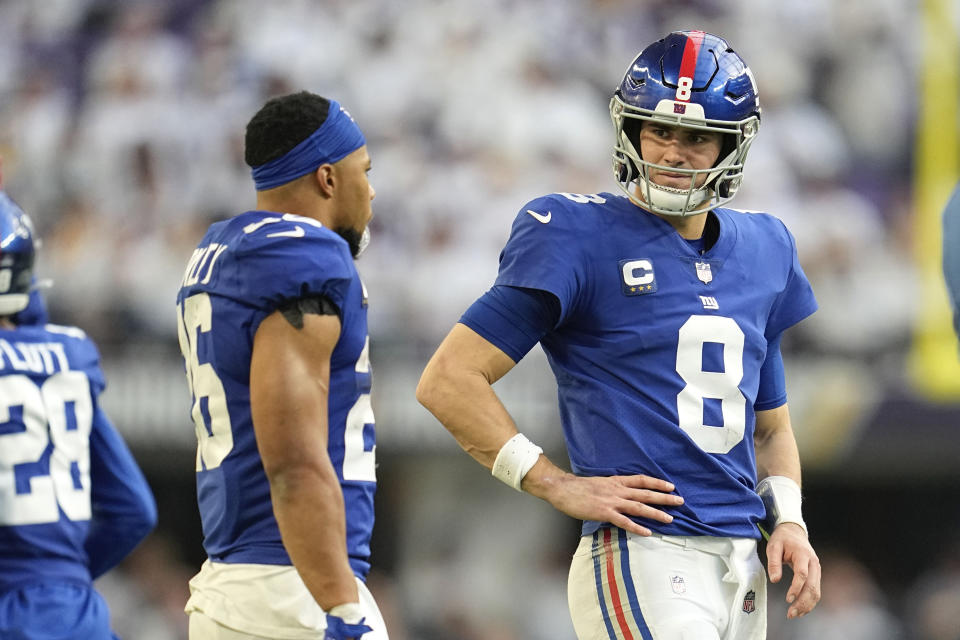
(326, 181)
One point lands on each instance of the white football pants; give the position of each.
(263, 602)
(623, 586)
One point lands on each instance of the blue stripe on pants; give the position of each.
(598, 574)
(630, 587)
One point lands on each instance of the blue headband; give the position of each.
(337, 137)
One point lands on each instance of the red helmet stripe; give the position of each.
(688, 65)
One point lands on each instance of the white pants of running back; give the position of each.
(260, 602)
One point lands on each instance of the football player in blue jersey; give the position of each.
(73, 502)
(272, 321)
(951, 254)
(660, 311)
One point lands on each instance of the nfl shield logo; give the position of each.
(703, 272)
(679, 107)
(677, 584)
(748, 602)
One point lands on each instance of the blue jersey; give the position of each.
(242, 271)
(73, 501)
(951, 254)
(658, 350)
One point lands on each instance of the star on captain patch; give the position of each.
(637, 277)
(703, 272)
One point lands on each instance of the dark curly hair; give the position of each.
(281, 124)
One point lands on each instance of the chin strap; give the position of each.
(678, 202)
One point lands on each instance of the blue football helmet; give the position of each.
(17, 249)
(688, 79)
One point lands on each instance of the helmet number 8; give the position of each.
(684, 88)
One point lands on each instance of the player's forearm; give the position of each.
(465, 403)
(308, 505)
(776, 445)
(779, 457)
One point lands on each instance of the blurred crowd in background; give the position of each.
(121, 133)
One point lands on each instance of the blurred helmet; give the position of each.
(16, 256)
(688, 79)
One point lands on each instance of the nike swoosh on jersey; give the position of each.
(541, 217)
(296, 232)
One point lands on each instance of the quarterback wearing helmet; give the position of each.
(661, 313)
(696, 81)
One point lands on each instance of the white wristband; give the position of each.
(516, 457)
(349, 612)
(781, 497)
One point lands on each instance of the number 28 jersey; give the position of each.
(241, 272)
(73, 501)
(658, 350)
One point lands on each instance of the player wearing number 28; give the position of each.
(73, 502)
(272, 319)
(661, 313)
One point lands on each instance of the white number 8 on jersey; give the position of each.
(720, 385)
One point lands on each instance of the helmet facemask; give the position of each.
(720, 182)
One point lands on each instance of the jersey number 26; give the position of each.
(214, 442)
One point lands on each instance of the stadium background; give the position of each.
(121, 133)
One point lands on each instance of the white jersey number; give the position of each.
(358, 464)
(58, 413)
(214, 445)
(584, 198)
(700, 384)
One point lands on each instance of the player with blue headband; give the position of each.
(335, 139)
(272, 321)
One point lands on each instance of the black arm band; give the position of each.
(294, 310)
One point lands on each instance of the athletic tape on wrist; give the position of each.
(782, 498)
(349, 612)
(516, 457)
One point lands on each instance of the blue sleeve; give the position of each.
(795, 301)
(272, 270)
(123, 508)
(513, 319)
(951, 254)
(546, 255)
(772, 392)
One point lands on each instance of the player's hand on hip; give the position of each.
(789, 545)
(614, 499)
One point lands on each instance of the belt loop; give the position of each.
(680, 541)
